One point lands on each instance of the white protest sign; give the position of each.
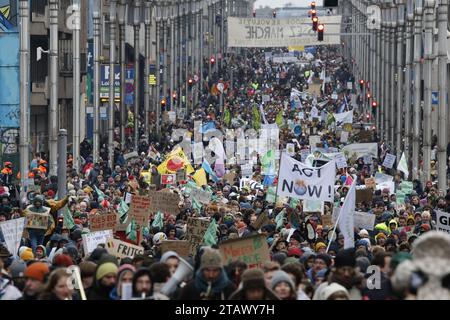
(128, 198)
(343, 117)
(93, 239)
(201, 195)
(389, 161)
(390, 185)
(12, 233)
(314, 140)
(361, 149)
(247, 170)
(344, 136)
(364, 220)
(442, 221)
(313, 206)
(381, 177)
(367, 159)
(290, 149)
(349, 85)
(280, 32)
(341, 162)
(300, 181)
(304, 154)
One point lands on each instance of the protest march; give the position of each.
(287, 193)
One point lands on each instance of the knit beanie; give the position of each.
(333, 288)
(37, 271)
(253, 279)
(281, 276)
(325, 257)
(211, 258)
(104, 269)
(125, 267)
(17, 268)
(27, 254)
(345, 258)
(63, 260)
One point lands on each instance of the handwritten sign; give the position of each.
(389, 161)
(37, 220)
(262, 220)
(364, 220)
(122, 249)
(93, 239)
(102, 222)
(166, 202)
(341, 162)
(12, 233)
(252, 250)
(364, 195)
(179, 246)
(140, 209)
(196, 228)
(130, 155)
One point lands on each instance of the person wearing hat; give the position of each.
(335, 291)
(39, 221)
(211, 281)
(125, 274)
(8, 291)
(321, 261)
(41, 253)
(105, 280)
(26, 254)
(283, 286)
(35, 275)
(6, 175)
(253, 287)
(87, 272)
(344, 272)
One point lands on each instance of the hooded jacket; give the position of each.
(196, 289)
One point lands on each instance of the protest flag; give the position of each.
(200, 177)
(403, 165)
(210, 237)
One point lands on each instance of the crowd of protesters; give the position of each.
(397, 254)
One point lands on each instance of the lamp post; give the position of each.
(147, 23)
(158, 67)
(408, 78)
(24, 89)
(400, 68)
(76, 85)
(172, 19)
(112, 65)
(122, 16)
(137, 26)
(96, 19)
(417, 76)
(442, 79)
(53, 110)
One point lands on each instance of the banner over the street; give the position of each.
(266, 32)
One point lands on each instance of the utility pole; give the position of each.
(165, 66)
(76, 84)
(400, 65)
(417, 76)
(137, 26)
(122, 16)
(172, 55)
(112, 80)
(62, 164)
(54, 73)
(428, 51)
(96, 147)
(382, 105)
(147, 22)
(392, 11)
(408, 79)
(158, 68)
(442, 61)
(24, 89)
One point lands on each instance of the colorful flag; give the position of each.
(279, 119)
(403, 165)
(208, 169)
(131, 231)
(200, 177)
(68, 219)
(100, 194)
(123, 211)
(279, 219)
(210, 237)
(227, 118)
(268, 163)
(207, 127)
(158, 221)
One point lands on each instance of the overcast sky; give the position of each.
(281, 3)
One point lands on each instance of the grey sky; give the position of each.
(280, 3)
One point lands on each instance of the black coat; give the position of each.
(190, 292)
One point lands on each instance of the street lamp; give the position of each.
(112, 60)
(147, 23)
(137, 23)
(121, 17)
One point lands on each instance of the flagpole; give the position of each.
(334, 231)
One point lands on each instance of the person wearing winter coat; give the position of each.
(105, 280)
(253, 287)
(211, 281)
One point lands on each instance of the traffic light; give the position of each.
(190, 82)
(174, 96)
(274, 14)
(313, 13)
(368, 95)
(374, 104)
(320, 29)
(315, 22)
(361, 85)
(163, 102)
(313, 5)
(213, 60)
(254, 13)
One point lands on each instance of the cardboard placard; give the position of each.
(166, 202)
(314, 89)
(181, 175)
(370, 183)
(140, 209)
(103, 222)
(37, 220)
(12, 231)
(130, 155)
(364, 220)
(252, 250)
(365, 136)
(201, 195)
(341, 161)
(229, 177)
(179, 246)
(168, 179)
(122, 249)
(327, 220)
(262, 220)
(93, 239)
(196, 228)
(364, 195)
